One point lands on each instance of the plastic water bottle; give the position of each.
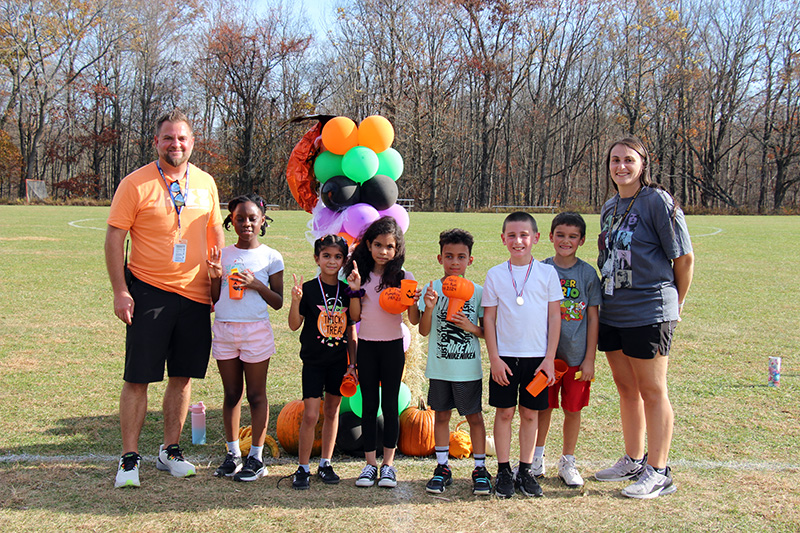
(198, 411)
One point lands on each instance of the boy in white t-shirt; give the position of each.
(522, 324)
(454, 363)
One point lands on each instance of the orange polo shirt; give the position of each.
(142, 205)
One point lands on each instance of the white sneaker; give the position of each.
(388, 477)
(568, 473)
(651, 484)
(128, 470)
(170, 459)
(623, 470)
(537, 467)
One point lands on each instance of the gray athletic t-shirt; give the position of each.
(636, 254)
(581, 288)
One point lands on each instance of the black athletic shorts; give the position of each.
(462, 395)
(643, 342)
(167, 328)
(523, 370)
(317, 377)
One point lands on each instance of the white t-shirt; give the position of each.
(521, 329)
(262, 262)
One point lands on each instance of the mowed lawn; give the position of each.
(735, 452)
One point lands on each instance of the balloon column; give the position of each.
(356, 170)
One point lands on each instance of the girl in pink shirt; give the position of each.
(379, 256)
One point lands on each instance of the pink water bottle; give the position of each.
(198, 411)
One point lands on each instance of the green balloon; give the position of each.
(355, 403)
(344, 406)
(327, 165)
(403, 399)
(390, 163)
(359, 164)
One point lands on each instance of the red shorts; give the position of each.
(574, 393)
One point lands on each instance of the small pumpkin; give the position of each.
(246, 441)
(460, 443)
(416, 431)
(289, 420)
(391, 301)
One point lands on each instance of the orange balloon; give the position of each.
(376, 133)
(349, 239)
(391, 301)
(339, 135)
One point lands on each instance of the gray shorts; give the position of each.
(466, 396)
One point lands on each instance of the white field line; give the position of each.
(76, 224)
(681, 464)
(715, 232)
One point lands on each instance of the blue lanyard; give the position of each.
(173, 195)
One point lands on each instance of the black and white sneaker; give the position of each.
(504, 484)
(170, 459)
(527, 484)
(388, 477)
(623, 470)
(481, 481)
(251, 471)
(128, 470)
(651, 484)
(327, 475)
(442, 477)
(300, 479)
(230, 466)
(368, 476)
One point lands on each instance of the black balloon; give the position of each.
(379, 191)
(349, 439)
(339, 192)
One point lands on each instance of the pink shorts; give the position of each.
(574, 393)
(252, 342)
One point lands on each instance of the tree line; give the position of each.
(494, 102)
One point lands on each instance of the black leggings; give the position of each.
(380, 362)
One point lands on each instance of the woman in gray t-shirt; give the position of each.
(646, 263)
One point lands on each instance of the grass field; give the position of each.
(735, 450)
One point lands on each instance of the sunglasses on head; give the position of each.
(177, 196)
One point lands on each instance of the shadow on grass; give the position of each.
(100, 435)
(87, 488)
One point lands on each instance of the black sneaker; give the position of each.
(504, 485)
(251, 471)
(230, 466)
(300, 479)
(481, 481)
(527, 484)
(442, 477)
(327, 475)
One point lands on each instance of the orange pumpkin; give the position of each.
(391, 301)
(460, 443)
(458, 290)
(289, 420)
(416, 431)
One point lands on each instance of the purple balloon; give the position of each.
(357, 217)
(325, 221)
(399, 214)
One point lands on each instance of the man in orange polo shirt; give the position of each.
(171, 210)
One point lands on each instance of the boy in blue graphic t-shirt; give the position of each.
(454, 362)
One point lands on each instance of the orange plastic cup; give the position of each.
(538, 384)
(235, 289)
(561, 369)
(348, 386)
(454, 305)
(407, 289)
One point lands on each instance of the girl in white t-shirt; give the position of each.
(379, 256)
(246, 279)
